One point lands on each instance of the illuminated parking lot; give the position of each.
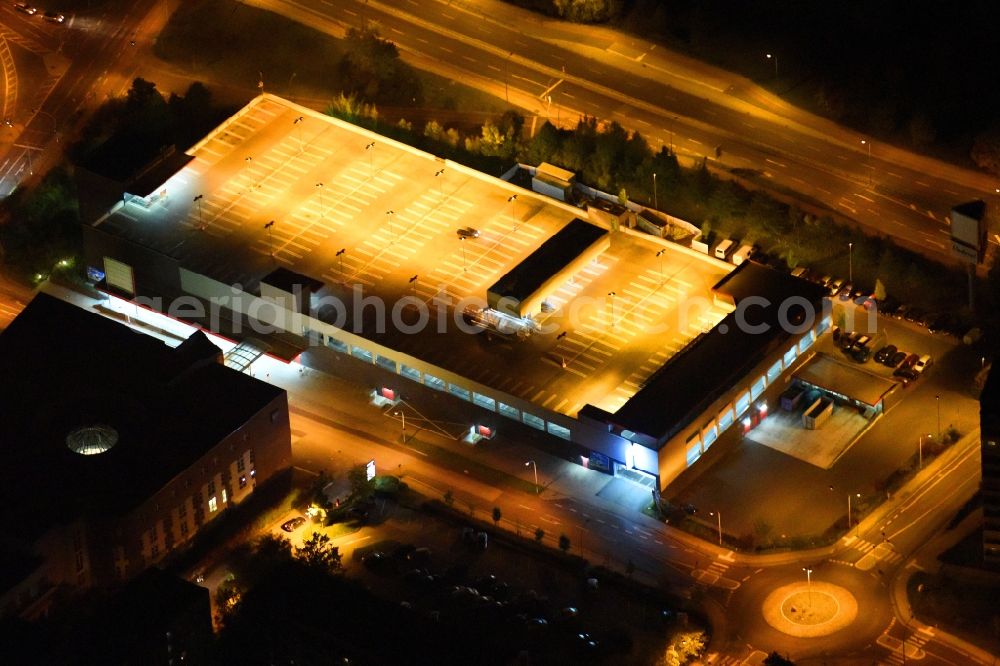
(352, 208)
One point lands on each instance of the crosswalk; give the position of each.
(911, 649)
(871, 554)
(714, 574)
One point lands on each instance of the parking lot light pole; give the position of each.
(401, 414)
(388, 221)
(865, 142)
(850, 263)
(298, 123)
(322, 212)
(201, 220)
(370, 149)
(512, 200)
(718, 516)
(656, 202)
(270, 239)
(937, 399)
(809, 584)
(247, 161)
(858, 495)
(920, 452)
(340, 256)
(659, 255)
(438, 174)
(611, 295)
(413, 284)
(532, 463)
(461, 241)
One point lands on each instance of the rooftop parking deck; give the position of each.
(356, 210)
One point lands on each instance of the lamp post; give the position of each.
(535, 467)
(718, 516)
(248, 161)
(659, 255)
(656, 203)
(858, 495)
(937, 399)
(809, 583)
(850, 263)
(388, 221)
(774, 57)
(370, 149)
(438, 174)
(512, 200)
(461, 241)
(298, 123)
(865, 142)
(920, 452)
(340, 256)
(322, 212)
(612, 295)
(400, 413)
(270, 240)
(413, 284)
(201, 220)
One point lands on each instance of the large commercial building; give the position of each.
(115, 448)
(989, 422)
(624, 345)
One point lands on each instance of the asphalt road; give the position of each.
(562, 71)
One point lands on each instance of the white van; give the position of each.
(742, 254)
(723, 249)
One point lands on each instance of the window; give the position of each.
(774, 372)
(243, 481)
(710, 434)
(250, 457)
(337, 345)
(240, 465)
(509, 412)
(435, 383)
(211, 486)
(693, 453)
(459, 392)
(385, 362)
(742, 404)
(362, 354)
(806, 341)
(409, 373)
(823, 324)
(484, 401)
(726, 418)
(225, 498)
(757, 387)
(213, 505)
(533, 421)
(557, 430)
(790, 356)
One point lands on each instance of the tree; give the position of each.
(879, 292)
(497, 514)
(250, 563)
(318, 552)
(564, 543)
(539, 534)
(775, 659)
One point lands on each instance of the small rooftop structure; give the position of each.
(519, 292)
(830, 374)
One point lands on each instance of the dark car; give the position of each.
(467, 232)
(293, 524)
(54, 17)
(905, 367)
(885, 353)
(897, 358)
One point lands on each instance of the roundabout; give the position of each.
(809, 611)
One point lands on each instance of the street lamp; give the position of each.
(388, 221)
(438, 174)
(270, 240)
(298, 122)
(340, 256)
(532, 463)
(461, 241)
(400, 413)
(920, 451)
(809, 583)
(612, 295)
(775, 59)
(656, 203)
(247, 161)
(870, 168)
(850, 263)
(718, 515)
(322, 212)
(512, 200)
(659, 255)
(201, 220)
(937, 399)
(370, 149)
(413, 284)
(858, 495)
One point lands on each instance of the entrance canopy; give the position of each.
(851, 381)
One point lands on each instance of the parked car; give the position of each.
(861, 342)
(846, 292)
(867, 302)
(914, 315)
(847, 340)
(468, 232)
(906, 365)
(25, 8)
(897, 358)
(833, 286)
(799, 272)
(900, 312)
(922, 364)
(836, 333)
(293, 524)
(885, 353)
(54, 17)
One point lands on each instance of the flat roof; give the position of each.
(547, 260)
(712, 364)
(66, 368)
(326, 192)
(831, 374)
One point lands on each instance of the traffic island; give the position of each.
(809, 611)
